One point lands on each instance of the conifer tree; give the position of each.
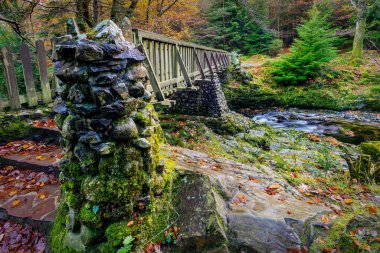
(231, 28)
(309, 53)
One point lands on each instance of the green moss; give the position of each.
(58, 231)
(89, 217)
(72, 170)
(59, 118)
(142, 118)
(371, 148)
(13, 129)
(337, 235)
(116, 233)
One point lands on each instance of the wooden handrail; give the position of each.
(174, 63)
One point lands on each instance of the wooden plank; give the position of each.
(157, 60)
(162, 38)
(10, 75)
(224, 57)
(208, 64)
(28, 75)
(224, 60)
(162, 62)
(199, 64)
(214, 61)
(183, 67)
(55, 83)
(42, 66)
(152, 76)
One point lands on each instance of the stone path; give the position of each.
(29, 188)
(31, 155)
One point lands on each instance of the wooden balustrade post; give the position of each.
(28, 75)
(152, 76)
(183, 67)
(42, 66)
(214, 61)
(209, 64)
(198, 62)
(10, 75)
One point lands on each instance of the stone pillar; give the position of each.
(207, 99)
(111, 138)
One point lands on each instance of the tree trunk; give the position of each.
(83, 14)
(357, 49)
(95, 6)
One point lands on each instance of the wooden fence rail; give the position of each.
(171, 64)
(14, 99)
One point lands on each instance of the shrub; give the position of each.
(313, 48)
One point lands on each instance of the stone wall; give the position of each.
(111, 139)
(206, 98)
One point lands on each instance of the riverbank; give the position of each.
(344, 87)
(316, 166)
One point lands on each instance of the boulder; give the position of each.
(103, 79)
(108, 30)
(371, 148)
(125, 129)
(228, 209)
(136, 90)
(90, 138)
(88, 51)
(142, 143)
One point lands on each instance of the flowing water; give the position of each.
(348, 127)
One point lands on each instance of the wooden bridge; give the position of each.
(171, 64)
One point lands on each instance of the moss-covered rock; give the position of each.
(12, 129)
(371, 148)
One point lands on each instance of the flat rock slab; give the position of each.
(46, 134)
(27, 194)
(31, 155)
(30, 205)
(261, 212)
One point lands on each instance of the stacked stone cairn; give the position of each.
(111, 138)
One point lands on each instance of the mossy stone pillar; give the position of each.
(111, 138)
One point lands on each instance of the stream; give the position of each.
(348, 127)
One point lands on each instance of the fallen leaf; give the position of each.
(366, 247)
(41, 158)
(130, 223)
(372, 209)
(274, 187)
(325, 219)
(348, 201)
(317, 200)
(41, 196)
(15, 203)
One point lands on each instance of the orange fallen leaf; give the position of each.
(16, 203)
(130, 223)
(366, 247)
(275, 186)
(325, 219)
(41, 158)
(317, 200)
(12, 193)
(348, 201)
(372, 209)
(41, 196)
(310, 202)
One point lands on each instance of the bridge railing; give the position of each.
(173, 63)
(34, 68)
